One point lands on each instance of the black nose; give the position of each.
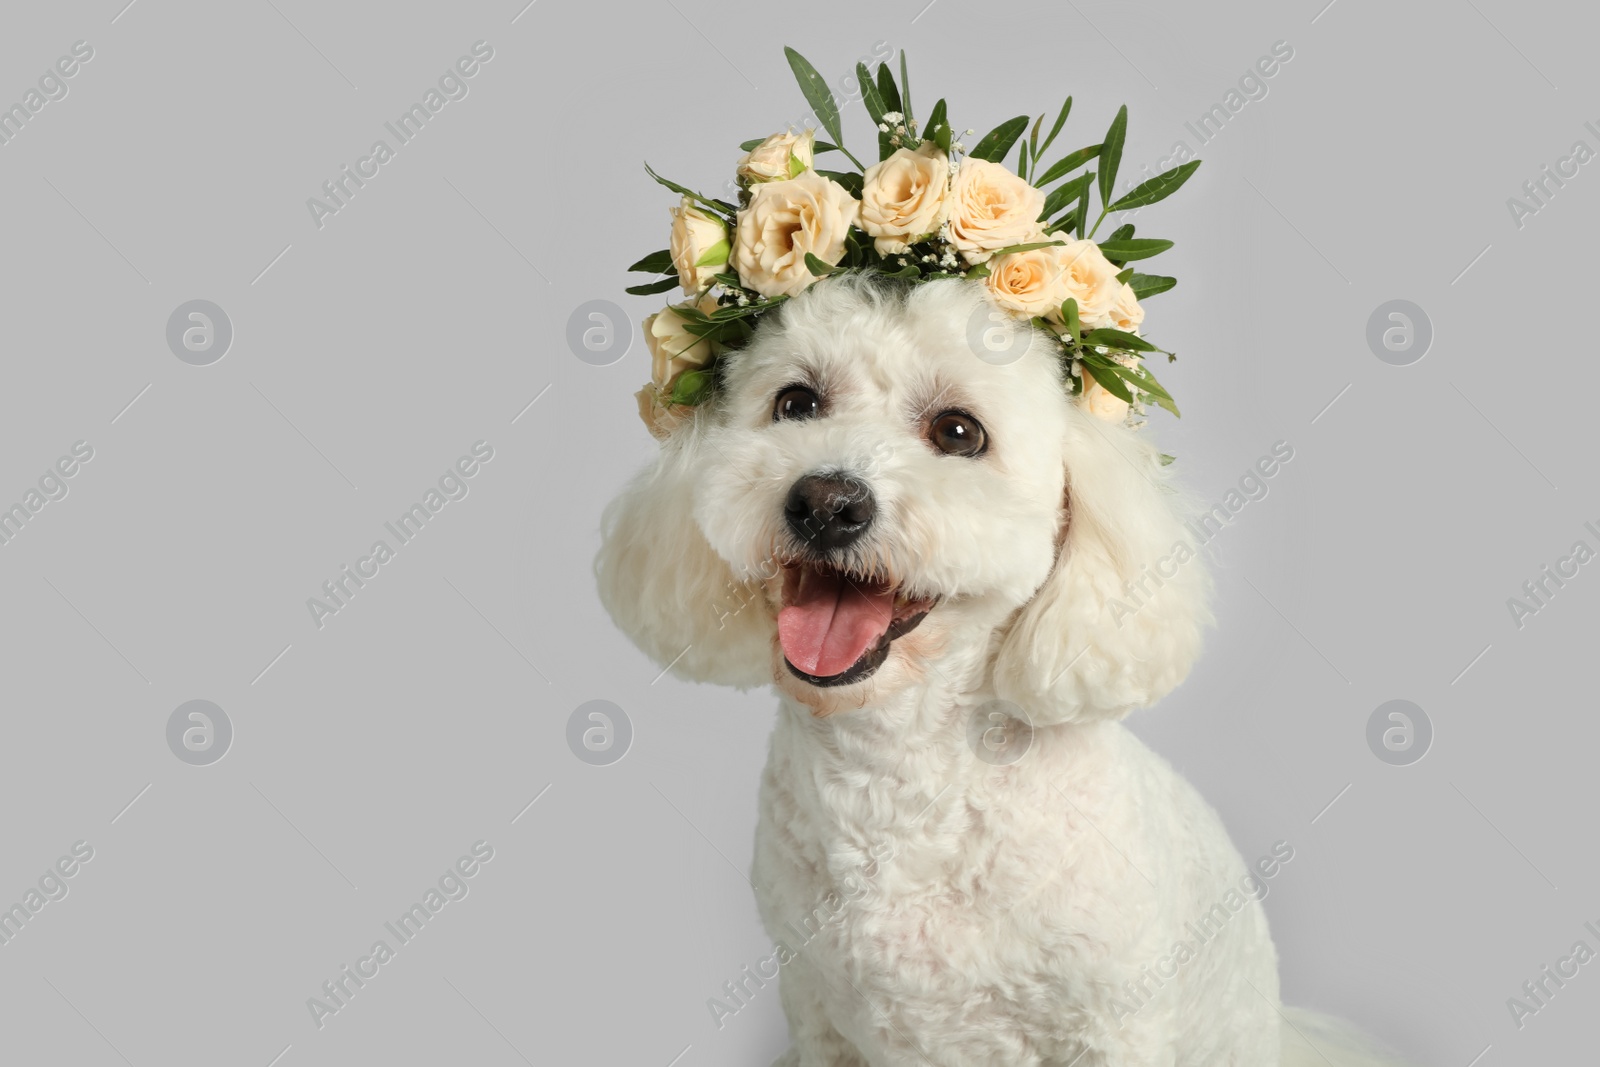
(829, 511)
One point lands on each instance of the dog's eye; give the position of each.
(958, 434)
(796, 402)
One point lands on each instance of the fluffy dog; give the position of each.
(925, 552)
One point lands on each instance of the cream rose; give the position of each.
(1099, 402)
(1090, 279)
(658, 417)
(903, 197)
(1031, 282)
(784, 221)
(1126, 313)
(673, 349)
(990, 208)
(769, 160)
(697, 235)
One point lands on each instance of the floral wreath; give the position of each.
(929, 208)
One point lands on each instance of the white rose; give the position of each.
(903, 197)
(1031, 282)
(769, 160)
(1091, 279)
(784, 221)
(990, 208)
(697, 235)
(1126, 313)
(1097, 401)
(673, 349)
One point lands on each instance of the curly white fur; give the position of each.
(932, 907)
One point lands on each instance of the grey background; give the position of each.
(370, 354)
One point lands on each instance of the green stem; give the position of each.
(1097, 222)
(852, 159)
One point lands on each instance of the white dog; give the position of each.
(917, 546)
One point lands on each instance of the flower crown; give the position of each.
(929, 208)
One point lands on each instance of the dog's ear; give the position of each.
(1118, 623)
(668, 591)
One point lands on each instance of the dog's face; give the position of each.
(867, 500)
(888, 490)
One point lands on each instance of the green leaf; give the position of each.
(714, 256)
(887, 91)
(979, 271)
(1033, 144)
(1066, 193)
(749, 146)
(998, 141)
(849, 180)
(1061, 120)
(1081, 212)
(1121, 233)
(655, 263)
(905, 93)
(1069, 315)
(1123, 276)
(689, 313)
(660, 286)
(1144, 285)
(1061, 225)
(692, 386)
(1158, 188)
(870, 97)
(1111, 154)
(1109, 380)
(816, 92)
(1029, 247)
(1141, 378)
(818, 267)
(1133, 248)
(715, 205)
(1105, 337)
(1167, 461)
(729, 280)
(1068, 163)
(1022, 159)
(936, 121)
(910, 270)
(734, 311)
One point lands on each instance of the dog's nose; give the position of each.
(829, 511)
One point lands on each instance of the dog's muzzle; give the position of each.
(829, 511)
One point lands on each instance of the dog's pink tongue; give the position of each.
(832, 623)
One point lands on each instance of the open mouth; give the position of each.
(836, 628)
